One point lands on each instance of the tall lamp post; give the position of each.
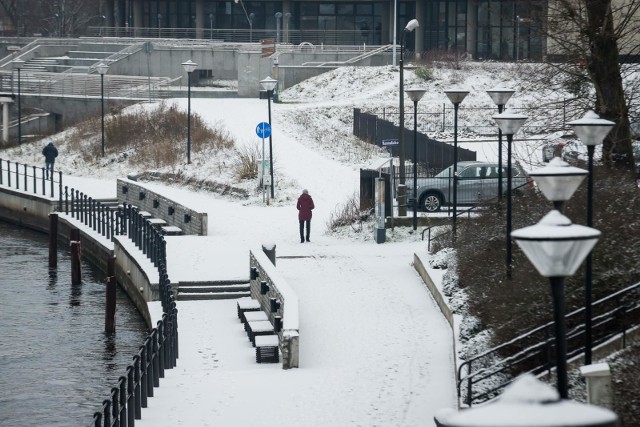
(17, 64)
(591, 130)
(509, 122)
(102, 70)
(556, 248)
(189, 66)
(456, 96)
(500, 97)
(402, 196)
(269, 84)
(415, 94)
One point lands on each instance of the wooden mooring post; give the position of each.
(74, 242)
(53, 240)
(110, 307)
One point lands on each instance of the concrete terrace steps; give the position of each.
(212, 290)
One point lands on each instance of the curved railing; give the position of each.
(160, 348)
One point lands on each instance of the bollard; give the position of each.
(76, 271)
(53, 240)
(110, 307)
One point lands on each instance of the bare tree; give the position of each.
(56, 18)
(588, 35)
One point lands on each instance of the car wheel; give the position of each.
(431, 202)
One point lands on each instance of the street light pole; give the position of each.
(500, 97)
(509, 122)
(556, 248)
(402, 196)
(189, 66)
(17, 64)
(591, 130)
(415, 94)
(269, 84)
(102, 70)
(456, 96)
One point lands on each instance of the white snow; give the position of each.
(374, 348)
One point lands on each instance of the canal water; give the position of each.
(57, 364)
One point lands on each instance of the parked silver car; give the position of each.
(477, 181)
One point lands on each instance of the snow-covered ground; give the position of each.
(374, 348)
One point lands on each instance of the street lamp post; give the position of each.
(211, 26)
(556, 248)
(269, 84)
(17, 64)
(102, 70)
(509, 122)
(500, 97)
(189, 66)
(591, 130)
(415, 94)
(456, 96)
(159, 24)
(402, 196)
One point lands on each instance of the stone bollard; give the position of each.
(598, 378)
(270, 251)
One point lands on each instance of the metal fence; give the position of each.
(160, 348)
(29, 178)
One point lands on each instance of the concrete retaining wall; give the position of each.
(26, 210)
(190, 221)
(288, 305)
(33, 211)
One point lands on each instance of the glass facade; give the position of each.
(488, 29)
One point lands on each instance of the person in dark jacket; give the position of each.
(50, 152)
(305, 206)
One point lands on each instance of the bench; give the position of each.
(267, 347)
(171, 230)
(254, 316)
(247, 304)
(157, 222)
(258, 328)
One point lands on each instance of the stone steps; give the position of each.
(224, 289)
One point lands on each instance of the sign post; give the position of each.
(263, 130)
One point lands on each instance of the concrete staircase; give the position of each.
(223, 289)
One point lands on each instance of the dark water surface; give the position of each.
(56, 363)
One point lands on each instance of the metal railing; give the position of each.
(160, 348)
(32, 179)
(483, 377)
(229, 35)
(159, 352)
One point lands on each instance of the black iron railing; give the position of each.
(160, 349)
(483, 377)
(31, 179)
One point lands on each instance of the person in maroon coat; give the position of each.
(305, 206)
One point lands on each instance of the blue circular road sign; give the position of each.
(263, 130)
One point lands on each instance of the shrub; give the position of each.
(246, 162)
(424, 73)
(349, 214)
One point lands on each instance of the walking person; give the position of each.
(305, 206)
(50, 152)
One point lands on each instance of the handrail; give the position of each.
(160, 348)
(532, 351)
(30, 178)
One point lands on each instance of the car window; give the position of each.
(471, 172)
(448, 172)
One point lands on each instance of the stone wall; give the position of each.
(188, 220)
(267, 285)
(27, 210)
